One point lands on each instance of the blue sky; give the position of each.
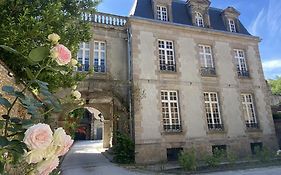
(261, 17)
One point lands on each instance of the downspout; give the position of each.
(130, 82)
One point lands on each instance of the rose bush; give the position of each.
(30, 139)
(45, 156)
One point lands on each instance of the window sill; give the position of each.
(216, 131)
(251, 130)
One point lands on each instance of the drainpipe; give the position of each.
(130, 81)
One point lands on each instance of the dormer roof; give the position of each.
(231, 11)
(181, 14)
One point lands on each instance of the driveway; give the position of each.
(85, 158)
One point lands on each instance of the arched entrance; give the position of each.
(90, 125)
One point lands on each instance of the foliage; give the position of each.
(216, 158)
(124, 150)
(231, 158)
(275, 85)
(263, 154)
(37, 104)
(276, 116)
(73, 120)
(187, 160)
(25, 25)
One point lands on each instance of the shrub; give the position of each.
(187, 160)
(263, 154)
(231, 158)
(124, 150)
(215, 159)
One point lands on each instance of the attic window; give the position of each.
(231, 24)
(199, 19)
(162, 13)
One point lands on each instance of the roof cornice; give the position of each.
(194, 28)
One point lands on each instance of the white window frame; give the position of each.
(84, 49)
(204, 56)
(249, 109)
(212, 110)
(199, 19)
(162, 13)
(170, 103)
(241, 60)
(169, 59)
(100, 51)
(232, 26)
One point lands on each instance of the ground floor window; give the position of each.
(256, 147)
(173, 153)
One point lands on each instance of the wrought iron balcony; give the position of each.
(208, 71)
(107, 19)
(243, 73)
(216, 127)
(168, 67)
(251, 125)
(99, 68)
(172, 128)
(83, 68)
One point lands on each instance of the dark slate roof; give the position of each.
(181, 15)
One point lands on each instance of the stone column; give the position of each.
(106, 133)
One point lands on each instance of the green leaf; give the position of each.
(4, 102)
(8, 89)
(3, 141)
(19, 94)
(1, 167)
(9, 49)
(29, 74)
(38, 54)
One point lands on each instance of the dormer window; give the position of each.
(199, 19)
(231, 24)
(162, 13)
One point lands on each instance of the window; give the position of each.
(199, 19)
(256, 147)
(231, 24)
(249, 111)
(166, 55)
(173, 153)
(206, 59)
(219, 149)
(170, 110)
(99, 56)
(241, 63)
(212, 111)
(83, 57)
(162, 13)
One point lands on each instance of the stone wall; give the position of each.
(6, 78)
(151, 139)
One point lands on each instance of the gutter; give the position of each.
(130, 81)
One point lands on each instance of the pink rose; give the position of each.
(47, 166)
(62, 141)
(38, 136)
(61, 54)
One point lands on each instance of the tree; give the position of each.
(25, 24)
(275, 85)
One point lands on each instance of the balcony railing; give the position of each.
(107, 19)
(243, 73)
(99, 68)
(172, 128)
(251, 125)
(216, 127)
(208, 71)
(168, 67)
(83, 68)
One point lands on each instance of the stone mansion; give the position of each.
(189, 76)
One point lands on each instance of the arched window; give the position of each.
(199, 19)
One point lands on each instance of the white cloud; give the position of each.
(268, 19)
(272, 64)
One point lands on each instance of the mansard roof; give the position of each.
(181, 15)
